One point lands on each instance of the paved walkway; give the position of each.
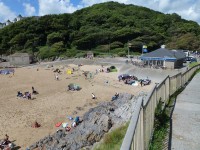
(186, 118)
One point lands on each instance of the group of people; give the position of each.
(75, 122)
(26, 94)
(6, 144)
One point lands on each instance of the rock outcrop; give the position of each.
(96, 122)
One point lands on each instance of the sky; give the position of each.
(9, 9)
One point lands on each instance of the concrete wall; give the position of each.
(169, 65)
(140, 130)
(19, 60)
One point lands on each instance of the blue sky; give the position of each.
(9, 9)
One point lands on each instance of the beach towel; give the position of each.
(64, 125)
(58, 124)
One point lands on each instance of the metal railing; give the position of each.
(140, 130)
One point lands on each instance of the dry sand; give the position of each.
(53, 103)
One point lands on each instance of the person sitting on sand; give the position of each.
(74, 124)
(68, 128)
(6, 140)
(36, 125)
(25, 95)
(57, 78)
(19, 94)
(29, 95)
(6, 144)
(33, 88)
(33, 91)
(116, 95)
(76, 120)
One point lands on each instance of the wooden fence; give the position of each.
(140, 130)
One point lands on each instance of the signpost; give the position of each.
(129, 45)
(144, 49)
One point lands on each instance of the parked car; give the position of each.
(189, 58)
(193, 60)
(146, 81)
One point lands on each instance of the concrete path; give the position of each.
(186, 118)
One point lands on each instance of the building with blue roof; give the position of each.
(165, 58)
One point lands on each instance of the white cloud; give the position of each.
(187, 9)
(56, 7)
(29, 9)
(91, 2)
(6, 13)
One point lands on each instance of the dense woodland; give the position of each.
(104, 28)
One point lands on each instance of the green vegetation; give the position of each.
(162, 120)
(161, 124)
(114, 139)
(104, 28)
(193, 64)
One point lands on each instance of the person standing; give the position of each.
(141, 82)
(57, 78)
(93, 96)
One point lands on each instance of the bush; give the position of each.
(116, 44)
(122, 54)
(71, 52)
(81, 54)
(117, 50)
(112, 67)
(46, 52)
(113, 140)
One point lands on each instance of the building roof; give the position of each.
(19, 54)
(164, 54)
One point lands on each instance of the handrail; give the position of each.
(132, 127)
(146, 100)
(160, 84)
(129, 137)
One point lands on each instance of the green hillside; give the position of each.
(103, 28)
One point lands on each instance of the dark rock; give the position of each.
(95, 123)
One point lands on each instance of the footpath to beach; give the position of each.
(186, 118)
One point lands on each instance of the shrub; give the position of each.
(112, 67)
(122, 54)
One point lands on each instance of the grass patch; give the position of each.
(114, 139)
(193, 64)
(161, 124)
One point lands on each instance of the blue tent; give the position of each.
(6, 71)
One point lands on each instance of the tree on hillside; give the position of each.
(53, 38)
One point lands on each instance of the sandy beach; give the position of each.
(53, 103)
